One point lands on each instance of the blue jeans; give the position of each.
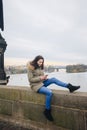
(48, 92)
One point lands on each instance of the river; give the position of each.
(74, 78)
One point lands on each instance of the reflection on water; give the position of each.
(74, 78)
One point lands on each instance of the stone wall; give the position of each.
(20, 106)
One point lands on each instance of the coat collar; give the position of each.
(31, 67)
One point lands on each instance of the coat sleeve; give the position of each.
(31, 78)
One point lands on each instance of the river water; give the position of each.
(74, 78)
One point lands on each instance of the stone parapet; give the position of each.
(21, 106)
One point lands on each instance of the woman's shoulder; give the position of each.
(29, 66)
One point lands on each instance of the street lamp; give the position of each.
(3, 78)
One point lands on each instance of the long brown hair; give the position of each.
(34, 62)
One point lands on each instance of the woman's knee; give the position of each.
(53, 79)
(50, 93)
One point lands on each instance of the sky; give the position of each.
(55, 29)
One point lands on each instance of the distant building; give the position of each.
(76, 68)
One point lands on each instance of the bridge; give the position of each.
(21, 108)
(55, 68)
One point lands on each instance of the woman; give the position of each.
(39, 82)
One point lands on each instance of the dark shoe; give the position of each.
(48, 115)
(72, 88)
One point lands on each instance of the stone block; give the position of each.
(9, 93)
(68, 118)
(76, 100)
(6, 107)
(33, 111)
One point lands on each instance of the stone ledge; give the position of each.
(3, 82)
(76, 100)
(68, 109)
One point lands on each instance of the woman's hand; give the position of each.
(43, 77)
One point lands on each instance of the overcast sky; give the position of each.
(55, 29)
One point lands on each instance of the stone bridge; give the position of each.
(22, 109)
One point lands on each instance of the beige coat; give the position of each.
(34, 77)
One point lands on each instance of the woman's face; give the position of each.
(40, 62)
